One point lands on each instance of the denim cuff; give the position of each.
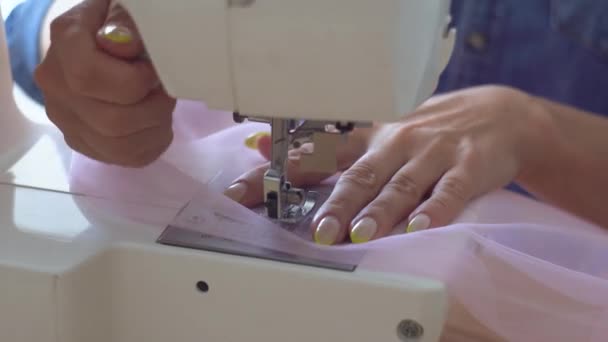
(23, 28)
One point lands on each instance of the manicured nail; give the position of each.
(364, 230)
(236, 191)
(327, 231)
(252, 140)
(117, 34)
(419, 222)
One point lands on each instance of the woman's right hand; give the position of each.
(99, 90)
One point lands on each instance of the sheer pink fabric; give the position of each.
(515, 269)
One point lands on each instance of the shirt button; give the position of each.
(477, 41)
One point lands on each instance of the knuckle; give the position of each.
(382, 205)
(75, 143)
(361, 175)
(132, 152)
(120, 150)
(405, 133)
(406, 130)
(148, 157)
(447, 140)
(72, 142)
(41, 76)
(60, 26)
(405, 186)
(53, 116)
(472, 154)
(115, 122)
(334, 205)
(59, 118)
(440, 203)
(455, 188)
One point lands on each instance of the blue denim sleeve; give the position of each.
(23, 27)
(584, 21)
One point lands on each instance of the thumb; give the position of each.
(119, 36)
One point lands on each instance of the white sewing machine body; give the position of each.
(337, 60)
(70, 274)
(112, 282)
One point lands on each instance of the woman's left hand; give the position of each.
(426, 168)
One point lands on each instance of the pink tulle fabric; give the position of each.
(515, 269)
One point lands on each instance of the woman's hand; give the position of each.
(99, 92)
(426, 168)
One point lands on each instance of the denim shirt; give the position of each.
(557, 49)
(23, 27)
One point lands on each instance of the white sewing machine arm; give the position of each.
(332, 60)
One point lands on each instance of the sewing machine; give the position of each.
(312, 69)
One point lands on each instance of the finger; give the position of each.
(119, 35)
(265, 146)
(449, 197)
(135, 150)
(71, 128)
(399, 197)
(249, 188)
(260, 141)
(110, 120)
(356, 187)
(78, 145)
(93, 73)
(106, 119)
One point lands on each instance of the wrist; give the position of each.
(540, 144)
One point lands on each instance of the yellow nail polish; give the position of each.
(357, 239)
(327, 231)
(252, 140)
(320, 241)
(419, 222)
(363, 231)
(117, 34)
(409, 229)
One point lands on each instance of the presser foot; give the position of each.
(296, 205)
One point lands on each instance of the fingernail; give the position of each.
(236, 191)
(252, 140)
(419, 222)
(327, 231)
(117, 34)
(364, 230)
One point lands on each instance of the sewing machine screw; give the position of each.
(202, 286)
(409, 330)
